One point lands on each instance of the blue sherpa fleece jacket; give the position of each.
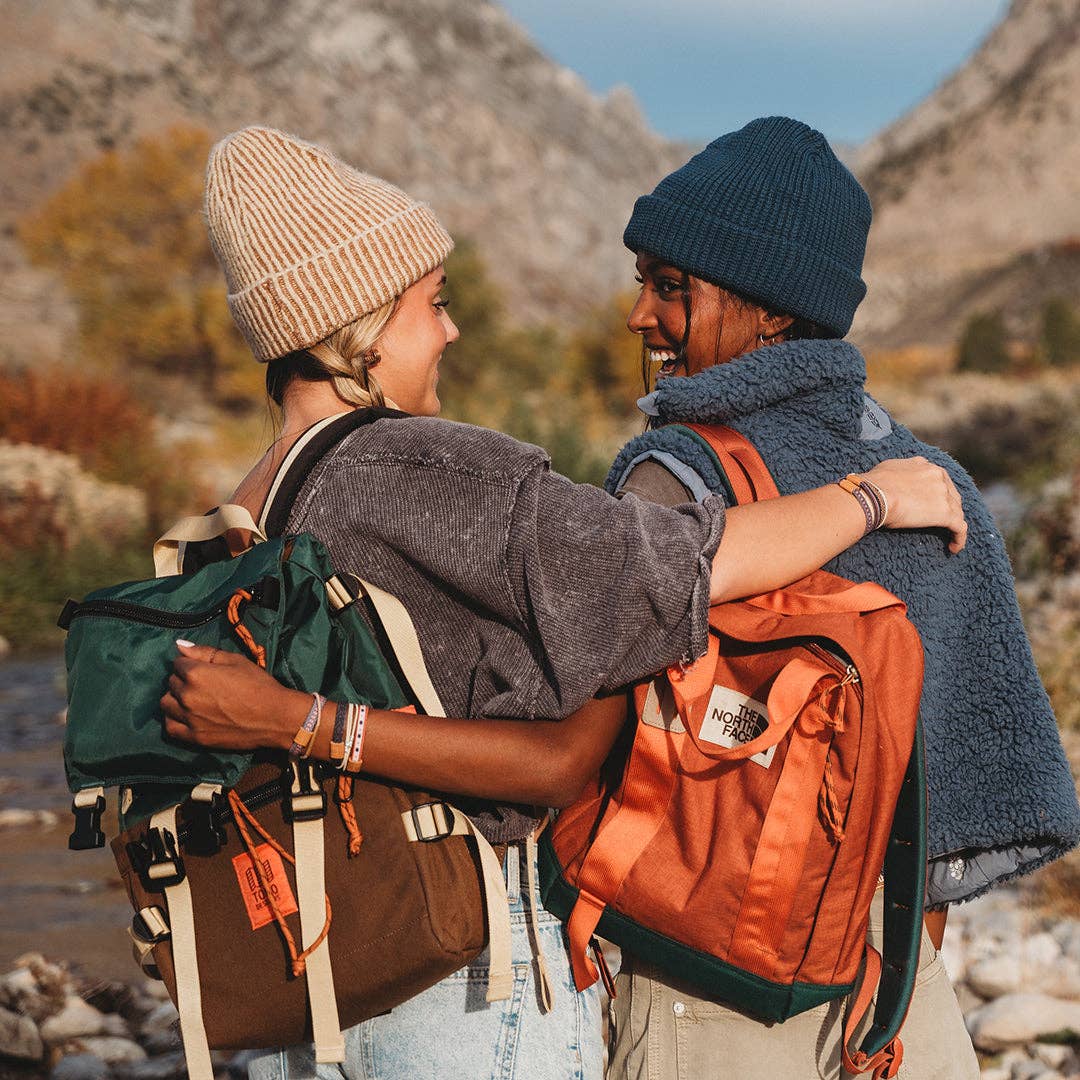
(1002, 798)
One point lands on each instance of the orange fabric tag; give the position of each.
(254, 898)
(405, 708)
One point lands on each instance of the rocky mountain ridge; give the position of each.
(979, 180)
(449, 98)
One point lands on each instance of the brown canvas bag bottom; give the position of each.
(405, 914)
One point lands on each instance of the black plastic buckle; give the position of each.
(88, 833)
(304, 799)
(156, 860)
(206, 824)
(437, 818)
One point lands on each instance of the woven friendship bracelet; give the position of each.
(306, 733)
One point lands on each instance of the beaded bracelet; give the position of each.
(306, 733)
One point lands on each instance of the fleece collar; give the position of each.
(828, 375)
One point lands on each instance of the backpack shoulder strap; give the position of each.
(308, 450)
(740, 462)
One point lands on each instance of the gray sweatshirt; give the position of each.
(530, 594)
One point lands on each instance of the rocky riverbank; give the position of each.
(57, 1026)
(1017, 974)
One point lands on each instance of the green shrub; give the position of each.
(1059, 333)
(984, 344)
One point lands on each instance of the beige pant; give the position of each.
(660, 1030)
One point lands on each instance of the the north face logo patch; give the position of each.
(733, 719)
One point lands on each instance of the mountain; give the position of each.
(448, 98)
(979, 183)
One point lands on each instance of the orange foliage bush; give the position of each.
(92, 418)
(99, 422)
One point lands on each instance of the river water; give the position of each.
(67, 904)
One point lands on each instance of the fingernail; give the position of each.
(185, 644)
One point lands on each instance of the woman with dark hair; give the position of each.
(749, 259)
(532, 596)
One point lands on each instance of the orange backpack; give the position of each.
(742, 846)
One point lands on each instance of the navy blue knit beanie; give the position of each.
(768, 211)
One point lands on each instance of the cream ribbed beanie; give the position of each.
(307, 243)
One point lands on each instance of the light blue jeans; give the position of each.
(451, 1033)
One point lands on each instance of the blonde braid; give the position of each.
(348, 355)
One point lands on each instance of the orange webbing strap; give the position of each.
(622, 837)
(860, 597)
(244, 817)
(780, 855)
(886, 1062)
(748, 475)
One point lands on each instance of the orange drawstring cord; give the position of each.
(348, 814)
(258, 652)
(243, 817)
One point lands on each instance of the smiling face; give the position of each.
(721, 325)
(412, 345)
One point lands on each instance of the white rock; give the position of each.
(113, 1050)
(994, 976)
(115, 1024)
(995, 1073)
(75, 1019)
(1050, 1054)
(1021, 1018)
(1041, 950)
(19, 1037)
(162, 1018)
(18, 982)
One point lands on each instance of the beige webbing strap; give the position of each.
(406, 645)
(294, 452)
(186, 964)
(311, 899)
(427, 823)
(547, 998)
(168, 548)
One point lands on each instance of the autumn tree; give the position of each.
(126, 236)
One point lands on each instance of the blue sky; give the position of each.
(700, 67)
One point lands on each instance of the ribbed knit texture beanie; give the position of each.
(768, 211)
(308, 243)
